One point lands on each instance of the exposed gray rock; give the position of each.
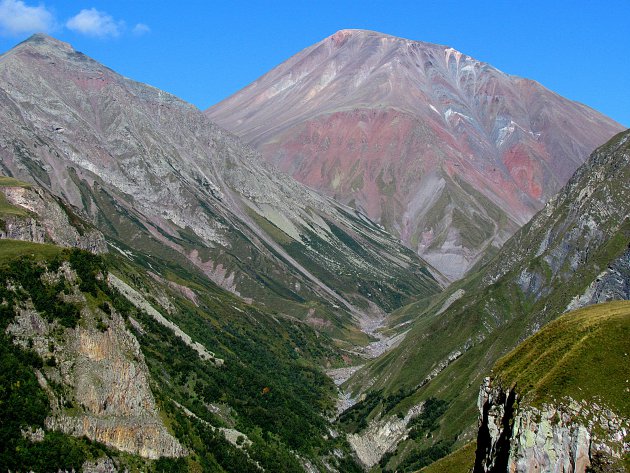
(47, 221)
(23, 228)
(101, 465)
(381, 436)
(566, 437)
(612, 284)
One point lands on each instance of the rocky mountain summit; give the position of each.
(446, 152)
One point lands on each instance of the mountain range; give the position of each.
(157, 177)
(174, 300)
(446, 152)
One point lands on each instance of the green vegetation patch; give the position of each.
(428, 420)
(10, 249)
(460, 461)
(423, 456)
(584, 354)
(6, 181)
(270, 384)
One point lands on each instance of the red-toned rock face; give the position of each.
(447, 152)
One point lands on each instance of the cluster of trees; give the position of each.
(282, 419)
(275, 393)
(428, 420)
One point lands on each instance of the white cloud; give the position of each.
(95, 23)
(141, 29)
(17, 18)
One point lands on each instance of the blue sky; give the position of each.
(203, 51)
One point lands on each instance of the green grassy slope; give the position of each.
(460, 461)
(585, 354)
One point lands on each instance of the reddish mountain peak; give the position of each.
(359, 33)
(445, 151)
(43, 41)
(340, 37)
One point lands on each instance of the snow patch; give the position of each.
(450, 112)
(505, 132)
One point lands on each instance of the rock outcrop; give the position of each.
(381, 436)
(95, 376)
(566, 437)
(47, 220)
(610, 285)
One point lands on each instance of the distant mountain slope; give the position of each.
(574, 252)
(447, 152)
(162, 182)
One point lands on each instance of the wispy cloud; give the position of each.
(17, 18)
(140, 29)
(95, 23)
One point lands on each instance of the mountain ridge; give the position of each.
(573, 253)
(154, 173)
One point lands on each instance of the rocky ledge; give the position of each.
(566, 436)
(46, 220)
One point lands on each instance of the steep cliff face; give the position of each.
(558, 403)
(447, 152)
(95, 375)
(567, 436)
